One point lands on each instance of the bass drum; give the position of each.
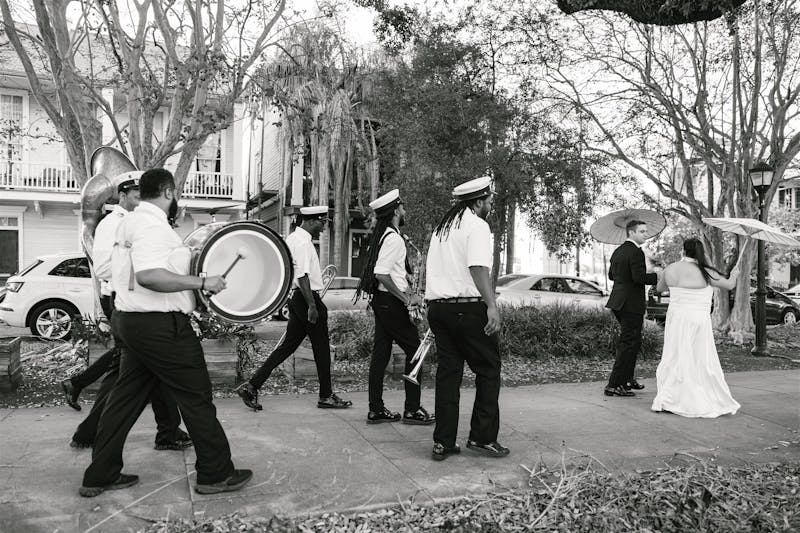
(257, 283)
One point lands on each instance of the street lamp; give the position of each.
(761, 177)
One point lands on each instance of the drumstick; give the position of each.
(241, 253)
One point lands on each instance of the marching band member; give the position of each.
(150, 275)
(168, 435)
(307, 315)
(384, 277)
(463, 316)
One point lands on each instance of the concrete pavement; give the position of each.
(307, 460)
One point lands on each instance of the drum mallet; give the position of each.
(241, 253)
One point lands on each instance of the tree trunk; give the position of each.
(510, 235)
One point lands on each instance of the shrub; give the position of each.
(530, 332)
(562, 330)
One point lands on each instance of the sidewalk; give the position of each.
(308, 460)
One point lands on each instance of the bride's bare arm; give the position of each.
(717, 280)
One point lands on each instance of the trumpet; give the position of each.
(419, 357)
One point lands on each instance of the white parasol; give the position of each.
(610, 228)
(750, 227)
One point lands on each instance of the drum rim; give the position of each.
(279, 244)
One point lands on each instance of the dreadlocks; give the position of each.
(453, 216)
(368, 282)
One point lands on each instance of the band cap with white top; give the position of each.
(470, 190)
(314, 211)
(387, 202)
(130, 180)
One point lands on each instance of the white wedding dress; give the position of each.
(689, 377)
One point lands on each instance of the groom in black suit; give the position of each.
(627, 300)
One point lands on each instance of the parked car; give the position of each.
(48, 293)
(780, 308)
(793, 293)
(339, 297)
(536, 289)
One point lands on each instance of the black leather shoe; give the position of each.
(619, 390)
(249, 395)
(123, 482)
(633, 384)
(182, 441)
(235, 481)
(333, 402)
(71, 393)
(80, 445)
(493, 449)
(420, 417)
(384, 415)
(440, 451)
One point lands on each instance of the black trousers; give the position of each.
(159, 347)
(103, 364)
(630, 342)
(392, 324)
(296, 330)
(460, 337)
(165, 410)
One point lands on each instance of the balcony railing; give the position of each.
(30, 176)
(36, 176)
(208, 185)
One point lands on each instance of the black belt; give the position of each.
(457, 300)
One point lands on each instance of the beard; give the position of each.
(173, 211)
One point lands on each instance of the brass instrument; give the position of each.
(414, 311)
(416, 314)
(419, 357)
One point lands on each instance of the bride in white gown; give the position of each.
(689, 377)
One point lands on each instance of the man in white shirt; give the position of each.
(464, 319)
(169, 436)
(307, 315)
(384, 278)
(150, 276)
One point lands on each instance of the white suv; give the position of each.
(48, 293)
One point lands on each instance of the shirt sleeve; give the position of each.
(392, 252)
(302, 259)
(104, 238)
(479, 250)
(150, 248)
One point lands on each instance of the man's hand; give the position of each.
(493, 323)
(413, 300)
(313, 314)
(214, 284)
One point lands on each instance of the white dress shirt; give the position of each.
(392, 260)
(468, 244)
(304, 258)
(146, 241)
(105, 235)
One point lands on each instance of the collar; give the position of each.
(302, 233)
(634, 243)
(119, 210)
(152, 210)
(689, 260)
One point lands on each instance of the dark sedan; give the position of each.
(780, 308)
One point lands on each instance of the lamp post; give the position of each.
(761, 178)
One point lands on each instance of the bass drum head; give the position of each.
(258, 284)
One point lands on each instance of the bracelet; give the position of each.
(202, 284)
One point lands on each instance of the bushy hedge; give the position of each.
(533, 332)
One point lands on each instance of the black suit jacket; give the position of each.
(629, 274)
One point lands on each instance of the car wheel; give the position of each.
(789, 317)
(52, 320)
